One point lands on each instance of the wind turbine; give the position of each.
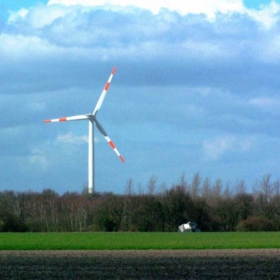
(92, 119)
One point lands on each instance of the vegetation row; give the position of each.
(139, 241)
(215, 207)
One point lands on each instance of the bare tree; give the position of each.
(206, 191)
(195, 186)
(183, 182)
(264, 201)
(244, 204)
(152, 185)
(129, 187)
(240, 187)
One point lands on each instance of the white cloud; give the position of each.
(38, 16)
(17, 15)
(14, 47)
(70, 138)
(271, 49)
(10, 134)
(265, 103)
(216, 148)
(38, 159)
(207, 7)
(37, 106)
(268, 15)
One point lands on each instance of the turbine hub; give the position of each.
(91, 117)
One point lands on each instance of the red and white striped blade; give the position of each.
(110, 142)
(103, 94)
(74, 118)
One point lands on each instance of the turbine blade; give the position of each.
(102, 96)
(73, 118)
(110, 142)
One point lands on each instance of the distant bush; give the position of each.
(1, 225)
(255, 224)
(10, 223)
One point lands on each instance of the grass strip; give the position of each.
(138, 241)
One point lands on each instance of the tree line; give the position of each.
(214, 206)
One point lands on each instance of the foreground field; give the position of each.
(139, 255)
(139, 264)
(138, 241)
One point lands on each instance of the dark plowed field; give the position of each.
(188, 264)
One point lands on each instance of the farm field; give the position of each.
(141, 264)
(138, 241)
(139, 255)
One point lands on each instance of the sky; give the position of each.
(196, 90)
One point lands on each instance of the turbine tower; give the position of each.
(92, 119)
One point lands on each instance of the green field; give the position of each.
(137, 241)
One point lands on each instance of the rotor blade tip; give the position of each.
(114, 70)
(122, 159)
(47, 121)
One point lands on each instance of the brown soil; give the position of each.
(181, 264)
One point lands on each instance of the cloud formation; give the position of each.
(207, 7)
(196, 88)
(70, 138)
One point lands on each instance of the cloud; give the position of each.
(70, 138)
(195, 86)
(38, 16)
(207, 7)
(267, 105)
(37, 158)
(265, 102)
(216, 148)
(180, 44)
(268, 15)
(17, 15)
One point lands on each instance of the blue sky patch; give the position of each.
(256, 4)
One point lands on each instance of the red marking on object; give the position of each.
(107, 86)
(47, 121)
(114, 70)
(62, 119)
(121, 158)
(112, 145)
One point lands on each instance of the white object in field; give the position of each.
(189, 227)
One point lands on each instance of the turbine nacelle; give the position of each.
(90, 117)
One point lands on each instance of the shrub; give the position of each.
(12, 223)
(255, 224)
